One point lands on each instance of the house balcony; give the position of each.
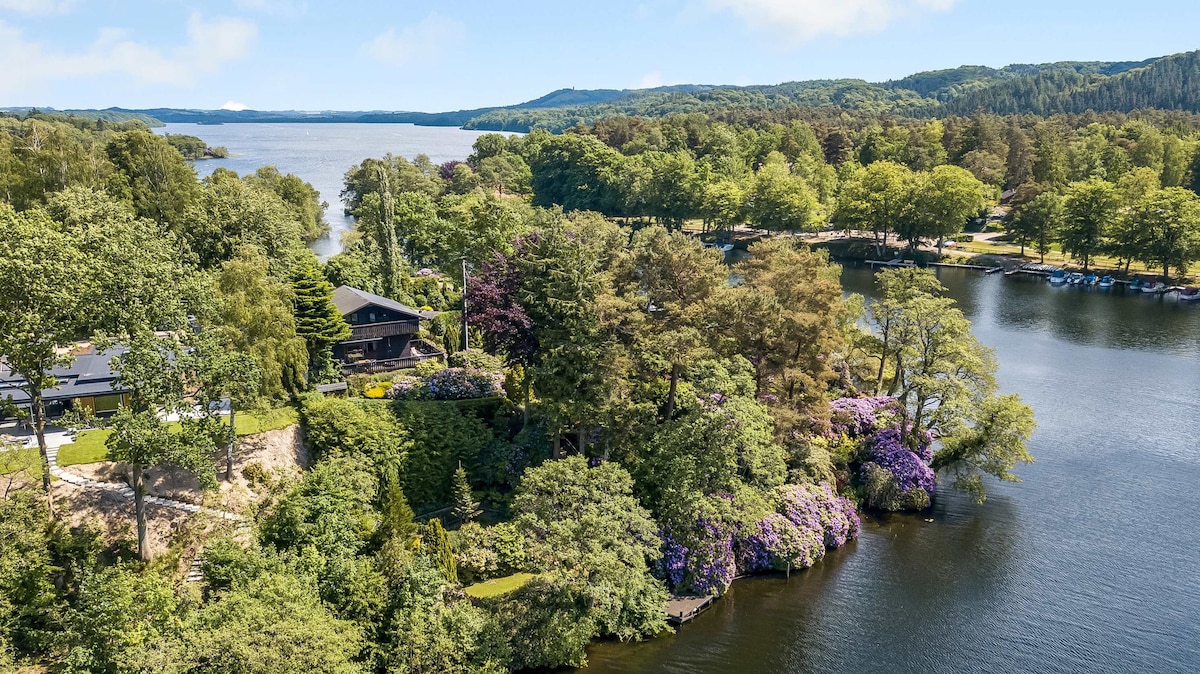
(421, 351)
(381, 330)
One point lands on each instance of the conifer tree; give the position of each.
(318, 321)
(466, 508)
(436, 542)
(397, 521)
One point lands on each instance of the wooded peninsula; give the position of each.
(529, 401)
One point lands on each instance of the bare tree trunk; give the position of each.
(229, 444)
(582, 440)
(525, 391)
(139, 510)
(556, 446)
(38, 407)
(671, 392)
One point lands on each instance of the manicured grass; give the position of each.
(89, 445)
(499, 586)
(17, 460)
(253, 423)
(87, 448)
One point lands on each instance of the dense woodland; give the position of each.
(635, 418)
(1165, 83)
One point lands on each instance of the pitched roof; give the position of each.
(91, 374)
(348, 300)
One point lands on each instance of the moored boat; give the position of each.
(1189, 294)
(1154, 287)
(1075, 279)
(1136, 285)
(1090, 280)
(1106, 281)
(1058, 277)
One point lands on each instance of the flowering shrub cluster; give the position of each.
(700, 558)
(894, 476)
(451, 383)
(910, 471)
(859, 417)
(805, 521)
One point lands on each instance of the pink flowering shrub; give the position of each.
(451, 383)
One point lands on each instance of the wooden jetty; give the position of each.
(683, 609)
(892, 263)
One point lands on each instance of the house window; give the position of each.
(371, 317)
(354, 317)
(107, 403)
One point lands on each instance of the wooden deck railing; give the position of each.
(428, 352)
(388, 329)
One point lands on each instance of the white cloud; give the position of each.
(651, 80)
(797, 21)
(28, 64)
(38, 6)
(234, 106)
(290, 8)
(418, 42)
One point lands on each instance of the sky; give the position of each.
(441, 56)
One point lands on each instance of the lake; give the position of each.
(1089, 565)
(322, 153)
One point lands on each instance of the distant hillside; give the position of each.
(1168, 83)
(111, 116)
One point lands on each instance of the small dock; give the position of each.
(683, 609)
(891, 263)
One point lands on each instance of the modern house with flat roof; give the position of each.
(383, 333)
(89, 383)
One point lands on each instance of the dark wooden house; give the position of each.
(88, 383)
(384, 333)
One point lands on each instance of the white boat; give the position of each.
(1106, 281)
(1155, 287)
(1058, 277)
(723, 247)
(1189, 295)
(1075, 279)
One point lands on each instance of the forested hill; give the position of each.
(1167, 83)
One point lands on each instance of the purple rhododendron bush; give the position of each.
(891, 470)
(788, 528)
(451, 383)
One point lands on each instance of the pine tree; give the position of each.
(397, 521)
(318, 321)
(436, 542)
(466, 508)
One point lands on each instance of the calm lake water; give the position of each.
(322, 153)
(1089, 565)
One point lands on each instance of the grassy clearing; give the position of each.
(17, 460)
(89, 445)
(499, 586)
(253, 423)
(87, 448)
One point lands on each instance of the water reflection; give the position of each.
(1087, 566)
(1112, 318)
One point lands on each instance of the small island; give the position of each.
(193, 148)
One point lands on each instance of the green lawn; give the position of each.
(89, 445)
(499, 586)
(253, 423)
(87, 448)
(20, 459)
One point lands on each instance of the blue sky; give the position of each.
(435, 56)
